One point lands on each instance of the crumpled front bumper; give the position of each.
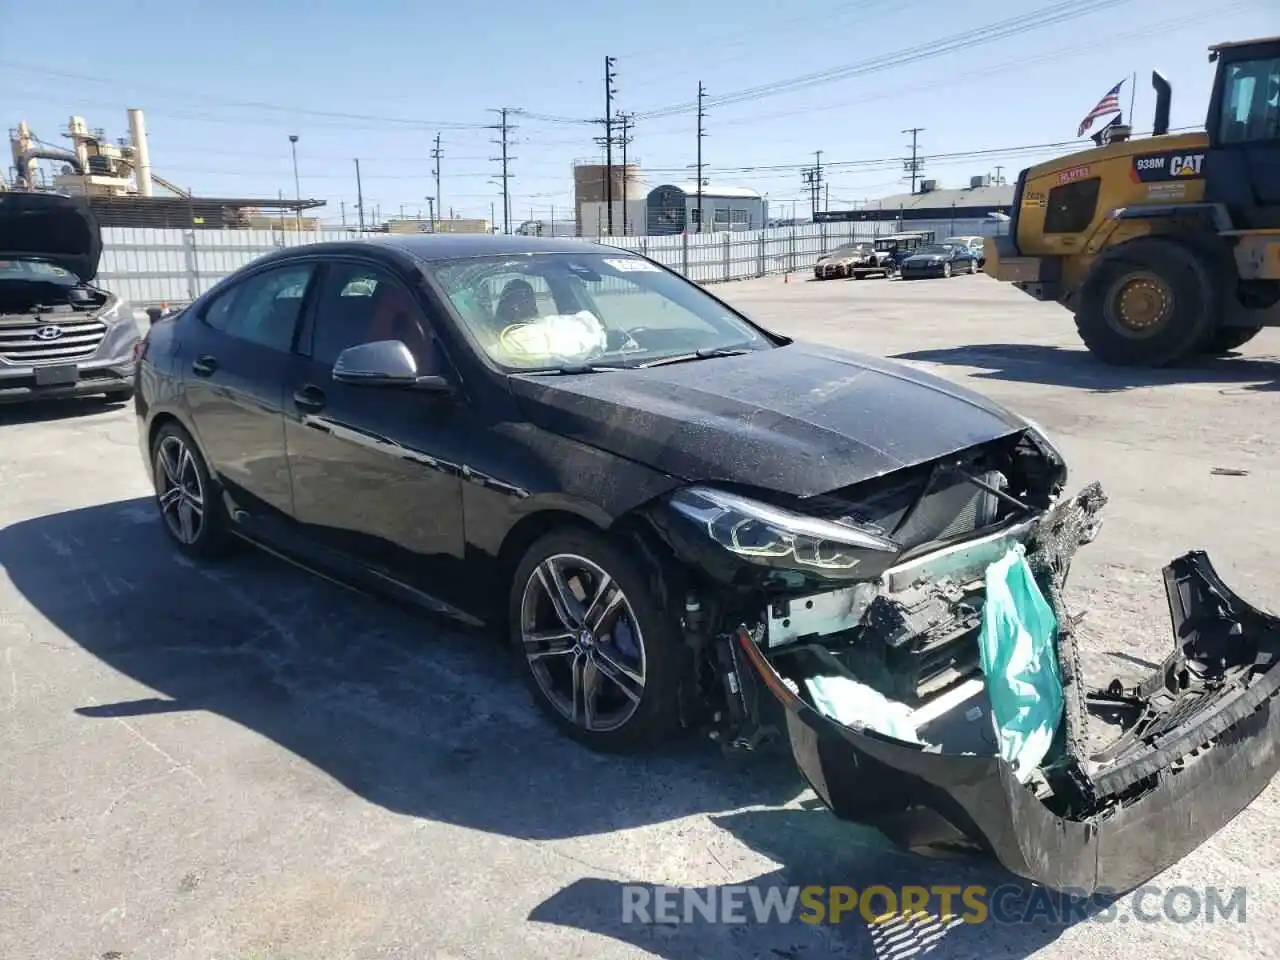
(1141, 805)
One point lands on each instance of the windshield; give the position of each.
(36, 270)
(936, 249)
(886, 245)
(548, 310)
(848, 250)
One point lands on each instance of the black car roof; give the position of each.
(453, 246)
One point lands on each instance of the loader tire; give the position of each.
(1225, 339)
(1148, 303)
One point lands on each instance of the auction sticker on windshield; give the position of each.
(632, 265)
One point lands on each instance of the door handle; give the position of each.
(309, 399)
(204, 366)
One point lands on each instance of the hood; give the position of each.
(799, 420)
(52, 227)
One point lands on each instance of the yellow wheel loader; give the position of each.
(1166, 246)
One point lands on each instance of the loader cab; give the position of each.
(1244, 131)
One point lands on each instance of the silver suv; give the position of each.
(60, 336)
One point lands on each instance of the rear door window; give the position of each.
(265, 308)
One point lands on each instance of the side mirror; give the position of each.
(385, 363)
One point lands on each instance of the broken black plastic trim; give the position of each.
(1189, 782)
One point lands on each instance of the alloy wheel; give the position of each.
(582, 642)
(946, 269)
(179, 490)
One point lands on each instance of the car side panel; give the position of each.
(515, 470)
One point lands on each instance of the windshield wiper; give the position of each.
(570, 369)
(706, 353)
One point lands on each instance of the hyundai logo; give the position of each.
(50, 332)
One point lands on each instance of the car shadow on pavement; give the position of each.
(1076, 367)
(47, 411)
(815, 850)
(414, 716)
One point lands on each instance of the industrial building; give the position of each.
(674, 208)
(120, 183)
(981, 201)
(591, 199)
(660, 210)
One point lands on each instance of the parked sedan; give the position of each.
(976, 245)
(672, 511)
(841, 261)
(939, 260)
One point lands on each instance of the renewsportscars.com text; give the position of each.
(1010, 904)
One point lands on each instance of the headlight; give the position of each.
(1045, 445)
(771, 536)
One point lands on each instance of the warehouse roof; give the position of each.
(992, 196)
(724, 193)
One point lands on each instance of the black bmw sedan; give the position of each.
(679, 517)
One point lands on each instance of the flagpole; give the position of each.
(1133, 92)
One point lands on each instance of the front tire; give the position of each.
(602, 657)
(190, 507)
(1148, 303)
(973, 267)
(946, 271)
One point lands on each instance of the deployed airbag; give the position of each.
(560, 335)
(1019, 660)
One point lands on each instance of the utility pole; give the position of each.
(359, 196)
(998, 179)
(812, 177)
(913, 165)
(626, 123)
(431, 212)
(297, 190)
(702, 95)
(342, 207)
(505, 129)
(608, 139)
(435, 171)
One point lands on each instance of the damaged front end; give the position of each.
(910, 745)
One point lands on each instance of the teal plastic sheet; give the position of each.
(1018, 645)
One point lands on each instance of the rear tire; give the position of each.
(636, 640)
(1226, 339)
(1148, 303)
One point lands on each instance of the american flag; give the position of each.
(1108, 104)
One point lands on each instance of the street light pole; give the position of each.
(431, 213)
(297, 189)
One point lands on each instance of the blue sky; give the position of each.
(224, 84)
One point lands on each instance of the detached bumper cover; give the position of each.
(1202, 742)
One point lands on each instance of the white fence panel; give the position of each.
(150, 266)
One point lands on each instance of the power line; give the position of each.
(1055, 13)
